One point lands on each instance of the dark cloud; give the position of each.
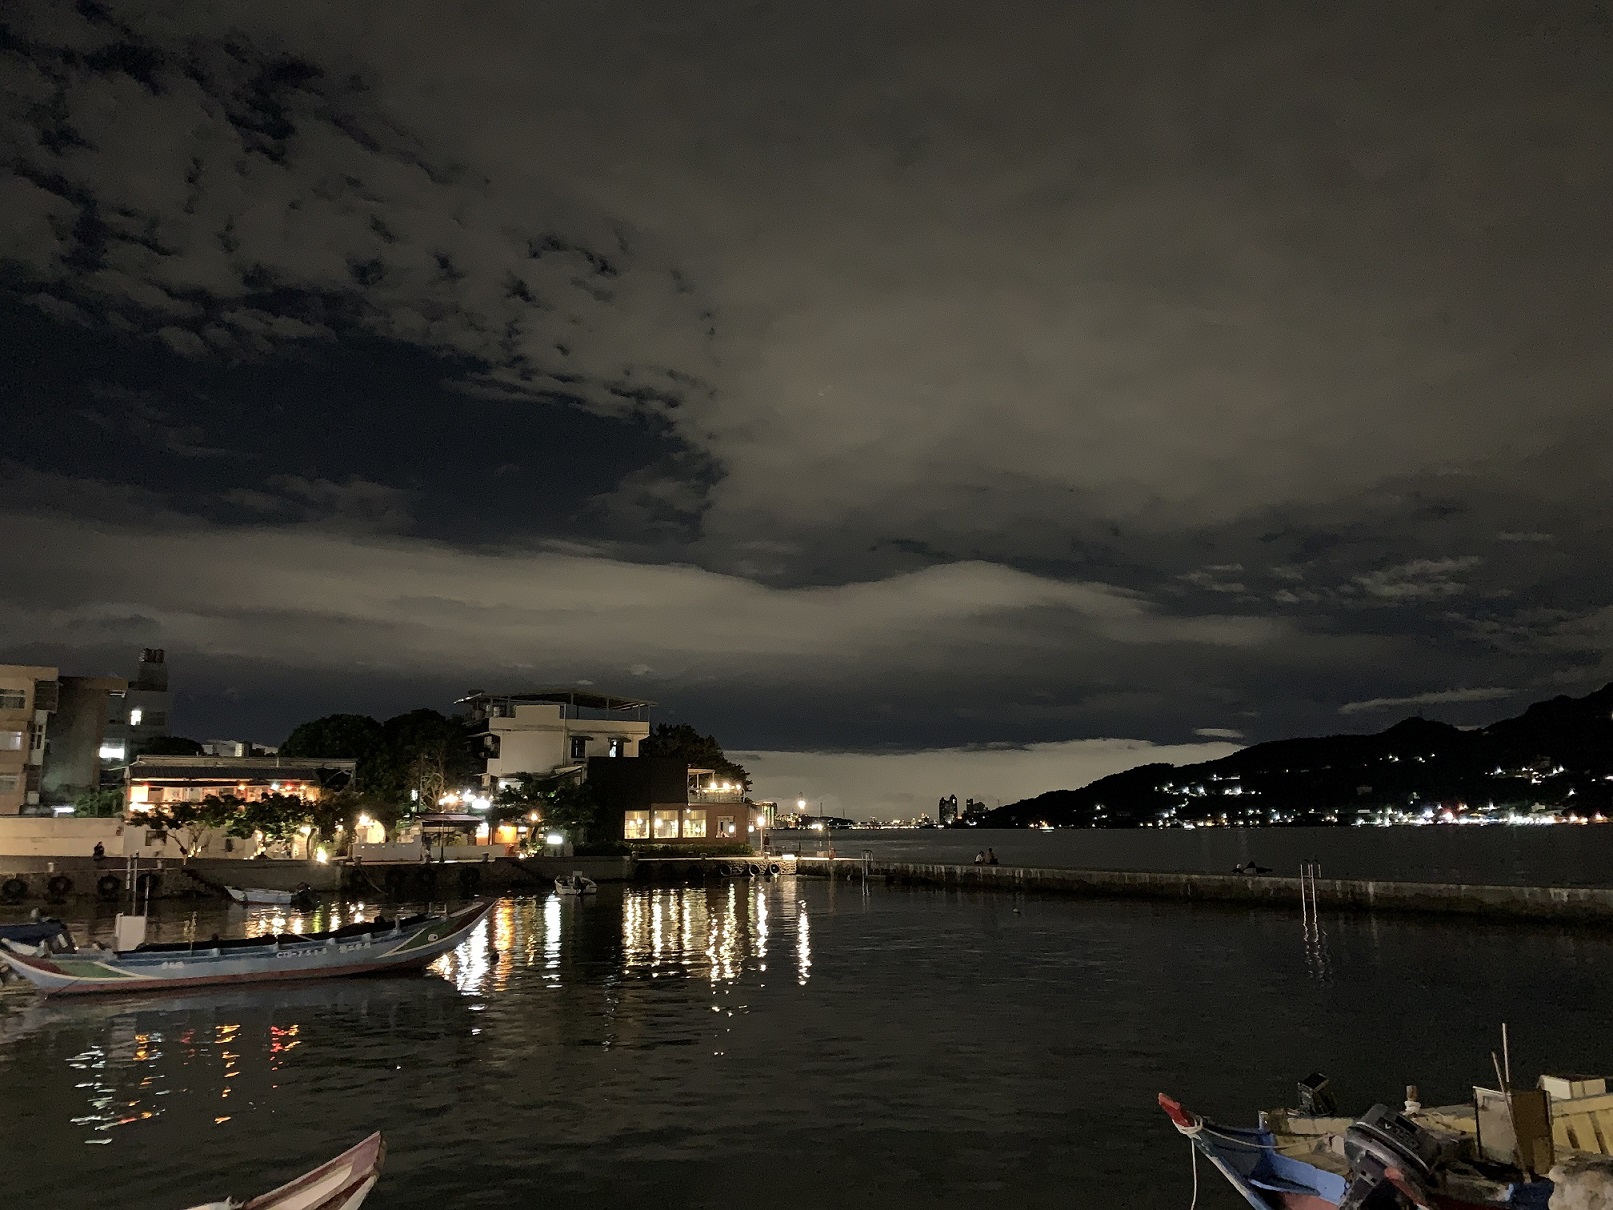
(841, 375)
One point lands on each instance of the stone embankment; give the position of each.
(55, 880)
(1555, 904)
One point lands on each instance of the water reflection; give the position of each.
(715, 934)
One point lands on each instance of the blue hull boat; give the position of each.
(357, 949)
(1249, 1159)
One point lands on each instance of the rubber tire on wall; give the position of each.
(59, 886)
(14, 890)
(773, 867)
(109, 886)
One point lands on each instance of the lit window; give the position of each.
(666, 825)
(10, 741)
(636, 825)
(579, 747)
(13, 699)
(108, 751)
(135, 716)
(694, 823)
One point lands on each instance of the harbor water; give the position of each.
(794, 1041)
(1560, 855)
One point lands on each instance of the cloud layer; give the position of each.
(847, 378)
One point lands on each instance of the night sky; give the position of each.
(845, 377)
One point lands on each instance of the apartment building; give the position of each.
(27, 697)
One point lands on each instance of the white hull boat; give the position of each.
(341, 1184)
(575, 883)
(251, 895)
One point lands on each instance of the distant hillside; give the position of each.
(1557, 756)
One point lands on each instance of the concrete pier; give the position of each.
(1549, 904)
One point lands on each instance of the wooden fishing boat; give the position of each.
(341, 1184)
(1509, 1147)
(355, 949)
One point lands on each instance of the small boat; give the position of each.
(1507, 1148)
(48, 932)
(575, 883)
(356, 949)
(304, 894)
(342, 1184)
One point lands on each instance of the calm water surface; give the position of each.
(1561, 855)
(793, 1043)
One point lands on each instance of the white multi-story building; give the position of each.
(553, 732)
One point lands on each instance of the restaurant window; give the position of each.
(694, 823)
(725, 825)
(666, 825)
(616, 747)
(579, 747)
(13, 699)
(636, 825)
(10, 741)
(8, 782)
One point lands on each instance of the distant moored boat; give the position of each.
(355, 949)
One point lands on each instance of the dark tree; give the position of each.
(683, 742)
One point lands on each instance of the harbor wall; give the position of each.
(204, 877)
(1562, 904)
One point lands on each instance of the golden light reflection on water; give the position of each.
(710, 933)
(226, 1055)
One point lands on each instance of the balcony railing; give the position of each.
(704, 795)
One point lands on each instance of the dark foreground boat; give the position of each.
(356, 949)
(342, 1184)
(1517, 1148)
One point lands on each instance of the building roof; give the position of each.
(240, 768)
(574, 697)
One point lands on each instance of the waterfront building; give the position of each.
(153, 781)
(28, 695)
(552, 732)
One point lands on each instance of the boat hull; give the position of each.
(402, 949)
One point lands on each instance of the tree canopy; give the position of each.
(682, 742)
(421, 751)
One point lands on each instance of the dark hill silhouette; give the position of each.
(1556, 755)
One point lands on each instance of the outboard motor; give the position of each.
(1392, 1163)
(1316, 1096)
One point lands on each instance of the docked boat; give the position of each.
(1507, 1148)
(45, 931)
(355, 949)
(575, 883)
(304, 894)
(341, 1184)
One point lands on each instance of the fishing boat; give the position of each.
(575, 883)
(356, 949)
(1508, 1148)
(248, 895)
(341, 1184)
